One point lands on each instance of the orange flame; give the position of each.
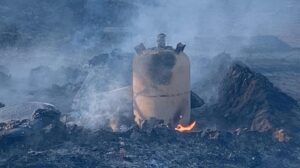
(187, 128)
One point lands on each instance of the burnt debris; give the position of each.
(45, 141)
(43, 127)
(249, 100)
(56, 145)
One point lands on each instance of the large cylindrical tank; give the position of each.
(161, 84)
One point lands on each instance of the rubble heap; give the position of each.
(44, 141)
(249, 100)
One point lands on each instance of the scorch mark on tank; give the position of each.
(160, 67)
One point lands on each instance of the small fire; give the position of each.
(187, 128)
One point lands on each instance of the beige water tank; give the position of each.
(161, 84)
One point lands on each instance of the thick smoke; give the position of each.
(46, 45)
(215, 19)
(50, 37)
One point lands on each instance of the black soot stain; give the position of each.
(160, 67)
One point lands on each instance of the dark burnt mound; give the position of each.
(249, 100)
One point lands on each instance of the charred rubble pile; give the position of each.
(248, 100)
(257, 126)
(45, 141)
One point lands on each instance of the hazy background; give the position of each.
(46, 45)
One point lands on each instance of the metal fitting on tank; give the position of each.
(161, 40)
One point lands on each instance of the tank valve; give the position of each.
(161, 40)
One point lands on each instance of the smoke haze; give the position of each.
(46, 44)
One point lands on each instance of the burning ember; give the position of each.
(187, 128)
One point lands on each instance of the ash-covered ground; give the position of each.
(159, 147)
(252, 124)
(65, 75)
